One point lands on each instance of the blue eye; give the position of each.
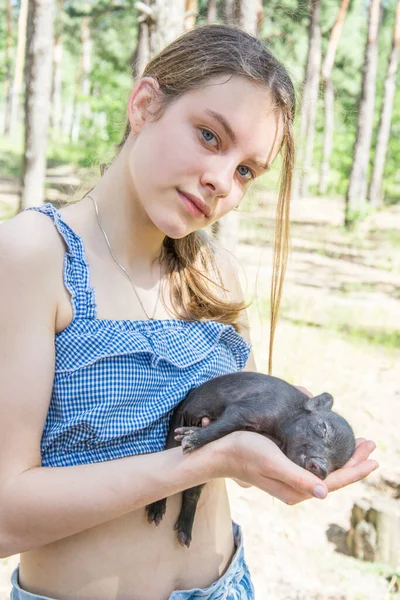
(208, 135)
(248, 174)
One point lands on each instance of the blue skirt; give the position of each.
(235, 583)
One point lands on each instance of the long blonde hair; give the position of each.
(188, 62)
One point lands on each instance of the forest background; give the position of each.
(339, 320)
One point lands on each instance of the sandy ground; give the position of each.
(335, 282)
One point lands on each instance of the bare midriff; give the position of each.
(129, 559)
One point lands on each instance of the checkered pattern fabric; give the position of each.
(117, 382)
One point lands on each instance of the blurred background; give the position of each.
(67, 68)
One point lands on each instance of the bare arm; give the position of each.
(43, 504)
(39, 505)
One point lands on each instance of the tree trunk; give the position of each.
(159, 24)
(76, 108)
(191, 11)
(229, 14)
(212, 12)
(142, 52)
(82, 82)
(247, 15)
(374, 535)
(329, 94)
(357, 190)
(55, 115)
(375, 195)
(329, 125)
(37, 100)
(310, 96)
(86, 65)
(7, 81)
(168, 24)
(19, 64)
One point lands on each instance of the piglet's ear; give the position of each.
(322, 402)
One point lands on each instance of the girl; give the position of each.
(111, 310)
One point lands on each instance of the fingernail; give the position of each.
(319, 492)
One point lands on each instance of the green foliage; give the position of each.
(114, 30)
(3, 39)
(354, 215)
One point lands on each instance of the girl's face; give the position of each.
(194, 164)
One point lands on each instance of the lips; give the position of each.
(198, 202)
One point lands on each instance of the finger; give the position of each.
(360, 441)
(205, 421)
(362, 452)
(282, 492)
(347, 475)
(304, 390)
(299, 479)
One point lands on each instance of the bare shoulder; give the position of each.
(32, 255)
(28, 231)
(30, 240)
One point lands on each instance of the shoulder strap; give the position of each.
(76, 268)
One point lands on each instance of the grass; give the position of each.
(391, 575)
(58, 154)
(388, 339)
(351, 321)
(10, 162)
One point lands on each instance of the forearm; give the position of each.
(45, 504)
(242, 484)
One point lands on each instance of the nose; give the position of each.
(317, 467)
(218, 177)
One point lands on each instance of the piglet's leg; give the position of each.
(185, 520)
(233, 419)
(156, 510)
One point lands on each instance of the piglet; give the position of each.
(304, 428)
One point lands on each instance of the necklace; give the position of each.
(122, 268)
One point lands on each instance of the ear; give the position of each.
(322, 402)
(143, 95)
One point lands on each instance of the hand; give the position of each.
(357, 468)
(206, 421)
(255, 459)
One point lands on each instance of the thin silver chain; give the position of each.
(122, 268)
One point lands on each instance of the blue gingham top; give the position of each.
(117, 382)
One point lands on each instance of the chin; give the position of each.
(175, 231)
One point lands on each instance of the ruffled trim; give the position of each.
(76, 270)
(87, 339)
(180, 343)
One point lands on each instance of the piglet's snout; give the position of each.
(317, 467)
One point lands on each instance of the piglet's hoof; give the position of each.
(184, 538)
(188, 438)
(156, 511)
